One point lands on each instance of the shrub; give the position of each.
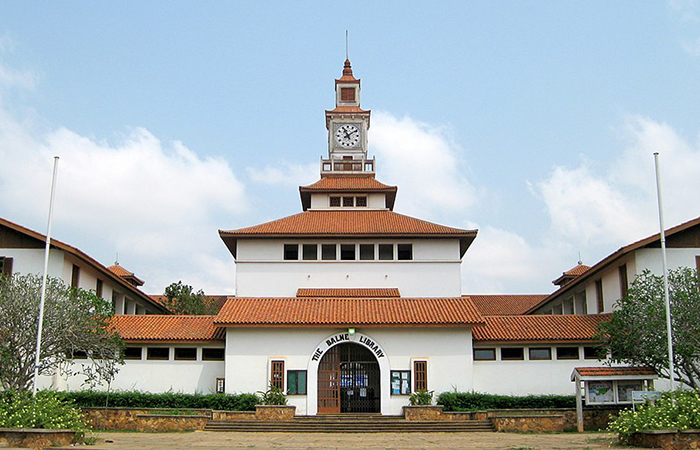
(474, 401)
(47, 410)
(678, 410)
(138, 399)
(273, 396)
(421, 397)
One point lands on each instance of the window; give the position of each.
(623, 280)
(220, 385)
(590, 352)
(540, 353)
(125, 306)
(366, 252)
(347, 252)
(400, 382)
(309, 252)
(133, 352)
(420, 372)
(512, 354)
(599, 295)
(404, 251)
(335, 202)
(158, 353)
(75, 276)
(567, 352)
(360, 201)
(484, 354)
(114, 302)
(277, 374)
(98, 288)
(296, 382)
(697, 262)
(347, 94)
(558, 309)
(291, 252)
(386, 251)
(348, 201)
(185, 354)
(5, 266)
(212, 354)
(328, 252)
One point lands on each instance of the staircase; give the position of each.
(351, 423)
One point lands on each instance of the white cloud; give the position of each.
(424, 162)
(285, 174)
(157, 205)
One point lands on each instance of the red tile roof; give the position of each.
(125, 274)
(87, 259)
(613, 371)
(344, 183)
(167, 328)
(578, 270)
(348, 312)
(348, 292)
(350, 223)
(579, 327)
(505, 305)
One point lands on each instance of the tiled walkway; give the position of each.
(384, 441)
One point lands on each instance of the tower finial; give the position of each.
(347, 46)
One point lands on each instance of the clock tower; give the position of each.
(347, 126)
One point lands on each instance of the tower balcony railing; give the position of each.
(349, 166)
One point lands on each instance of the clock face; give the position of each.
(347, 135)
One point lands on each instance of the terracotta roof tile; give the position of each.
(578, 270)
(505, 305)
(345, 183)
(348, 292)
(120, 271)
(613, 371)
(348, 311)
(167, 328)
(539, 328)
(327, 223)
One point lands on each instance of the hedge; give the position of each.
(474, 401)
(137, 399)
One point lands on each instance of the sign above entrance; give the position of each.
(347, 337)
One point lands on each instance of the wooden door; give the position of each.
(329, 382)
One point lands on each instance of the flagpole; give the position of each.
(37, 357)
(667, 301)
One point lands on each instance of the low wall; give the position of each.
(423, 413)
(166, 422)
(529, 424)
(273, 413)
(233, 415)
(35, 438)
(146, 419)
(667, 440)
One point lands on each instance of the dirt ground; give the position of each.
(210, 440)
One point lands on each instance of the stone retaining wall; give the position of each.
(145, 419)
(423, 413)
(667, 440)
(274, 413)
(35, 438)
(233, 415)
(165, 422)
(529, 424)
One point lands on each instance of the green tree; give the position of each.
(181, 299)
(636, 333)
(75, 321)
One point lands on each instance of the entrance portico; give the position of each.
(343, 378)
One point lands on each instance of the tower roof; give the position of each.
(347, 184)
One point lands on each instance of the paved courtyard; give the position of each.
(374, 441)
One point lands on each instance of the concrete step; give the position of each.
(384, 425)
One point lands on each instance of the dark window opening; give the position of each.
(567, 352)
(328, 252)
(5, 266)
(348, 201)
(212, 354)
(291, 252)
(590, 352)
(347, 94)
(347, 252)
(75, 276)
(310, 252)
(623, 280)
(360, 201)
(404, 251)
(277, 374)
(386, 252)
(133, 352)
(366, 252)
(540, 353)
(420, 370)
(335, 201)
(484, 354)
(512, 354)
(185, 354)
(296, 382)
(98, 288)
(400, 382)
(158, 353)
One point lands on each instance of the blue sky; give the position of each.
(534, 122)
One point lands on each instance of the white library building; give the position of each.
(349, 306)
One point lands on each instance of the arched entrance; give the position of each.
(349, 380)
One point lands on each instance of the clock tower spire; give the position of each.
(347, 127)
